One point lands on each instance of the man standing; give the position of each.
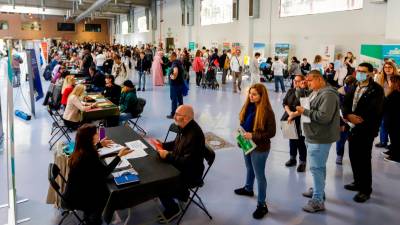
(363, 108)
(16, 62)
(237, 68)
(176, 84)
(87, 60)
(320, 133)
(142, 66)
(255, 69)
(186, 153)
(277, 68)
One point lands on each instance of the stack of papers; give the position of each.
(112, 149)
(123, 164)
(138, 149)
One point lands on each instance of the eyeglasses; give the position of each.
(388, 67)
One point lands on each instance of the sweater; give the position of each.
(128, 102)
(73, 109)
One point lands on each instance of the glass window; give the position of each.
(92, 27)
(142, 24)
(304, 7)
(124, 27)
(216, 12)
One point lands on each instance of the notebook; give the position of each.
(128, 176)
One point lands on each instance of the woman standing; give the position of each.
(258, 120)
(86, 188)
(198, 67)
(156, 69)
(350, 63)
(317, 64)
(294, 68)
(119, 70)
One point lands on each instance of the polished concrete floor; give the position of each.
(216, 111)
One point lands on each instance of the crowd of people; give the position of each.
(345, 102)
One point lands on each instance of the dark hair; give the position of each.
(304, 59)
(129, 55)
(216, 50)
(128, 84)
(396, 82)
(83, 143)
(295, 59)
(257, 54)
(276, 58)
(332, 64)
(111, 77)
(173, 54)
(367, 65)
(92, 68)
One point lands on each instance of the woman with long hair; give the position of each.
(72, 115)
(389, 70)
(67, 88)
(258, 121)
(198, 67)
(156, 69)
(86, 189)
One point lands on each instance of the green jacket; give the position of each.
(128, 102)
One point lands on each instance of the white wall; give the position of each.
(347, 30)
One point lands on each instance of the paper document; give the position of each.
(136, 145)
(123, 164)
(136, 153)
(112, 149)
(289, 130)
(305, 103)
(122, 172)
(246, 145)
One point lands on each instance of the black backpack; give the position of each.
(47, 73)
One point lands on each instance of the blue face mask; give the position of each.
(361, 76)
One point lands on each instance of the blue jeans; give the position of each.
(176, 97)
(383, 134)
(142, 75)
(17, 77)
(341, 142)
(124, 117)
(279, 79)
(255, 165)
(317, 155)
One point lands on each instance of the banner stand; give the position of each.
(12, 203)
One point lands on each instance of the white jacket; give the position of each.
(236, 62)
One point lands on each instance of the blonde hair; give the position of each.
(78, 90)
(69, 80)
(262, 108)
(382, 76)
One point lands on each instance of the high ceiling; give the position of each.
(109, 10)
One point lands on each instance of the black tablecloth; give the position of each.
(156, 177)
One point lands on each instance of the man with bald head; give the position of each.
(186, 153)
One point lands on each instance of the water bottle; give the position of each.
(102, 132)
(22, 115)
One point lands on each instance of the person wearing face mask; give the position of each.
(258, 121)
(186, 153)
(291, 100)
(363, 108)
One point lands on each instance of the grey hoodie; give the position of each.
(325, 118)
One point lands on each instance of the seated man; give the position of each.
(128, 101)
(186, 153)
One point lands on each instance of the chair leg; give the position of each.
(185, 209)
(65, 215)
(203, 207)
(135, 125)
(77, 217)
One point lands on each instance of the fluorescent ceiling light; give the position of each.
(33, 10)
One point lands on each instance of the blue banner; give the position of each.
(37, 83)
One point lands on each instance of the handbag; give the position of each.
(240, 67)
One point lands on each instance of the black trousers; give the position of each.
(168, 200)
(360, 148)
(199, 75)
(394, 146)
(298, 144)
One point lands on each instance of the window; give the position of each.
(3, 25)
(304, 7)
(124, 27)
(142, 24)
(216, 12)
(92, 27)
(65, 26)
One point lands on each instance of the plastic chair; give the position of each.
(172, 128)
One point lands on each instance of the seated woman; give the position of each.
(58, 74)
(128, 101)
(86, 188)
(68, 86)
(112, 91)
(72, 115)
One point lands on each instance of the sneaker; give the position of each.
(314, 206)
(351, 187)
(170, 117)
(391, 159)
(169, 216)
(138, 89)
(380, 145)
(301, 168)
(244, 192)
(142, 89)
(339, 160)
(239, 88)
(361, 197)
(291, 162)
(309, 193)
(260, 212)
(386, 153)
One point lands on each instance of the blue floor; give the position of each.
(216, 111)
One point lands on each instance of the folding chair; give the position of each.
(209, 156)
(172, 128)
(137, 115)
(53, 173)
(57, 127)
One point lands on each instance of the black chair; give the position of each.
(59, 129)
(137, 115)
(54, 172)
(172, 128)
(209, 156)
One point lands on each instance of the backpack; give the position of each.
(227, 63)
(139, 107)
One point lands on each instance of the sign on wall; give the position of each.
(282, 51)
(31, 26)
(375, 54)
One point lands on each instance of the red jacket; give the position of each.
(198, 65)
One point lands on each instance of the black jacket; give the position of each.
(143, 65)
(305, 68)
(108, 65)
(391, 112)
(292, 101)
(187, 153)
(113, 93)
(98, 80)
(369, 108)
(86, 187)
